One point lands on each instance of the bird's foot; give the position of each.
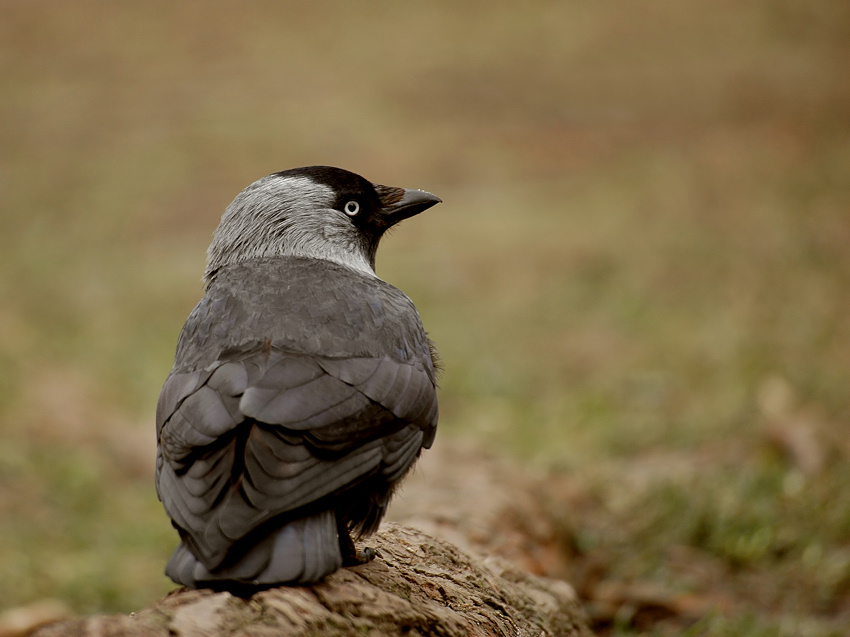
(358, 558)
(350, 555)
(367, 554)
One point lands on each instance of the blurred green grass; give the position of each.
(647, 219)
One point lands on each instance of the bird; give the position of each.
(303, 388)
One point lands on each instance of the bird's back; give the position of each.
(310, 305)
(302, 391)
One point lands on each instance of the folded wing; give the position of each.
(264, 433)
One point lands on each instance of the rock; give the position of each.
(486, 506)
(419, 585)
(478, 553)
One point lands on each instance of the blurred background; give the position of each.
(640, 276)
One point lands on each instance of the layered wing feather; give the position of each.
(271, 431)
(294, 381)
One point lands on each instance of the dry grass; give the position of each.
(642, 264)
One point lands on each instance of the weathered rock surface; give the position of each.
(419, 586)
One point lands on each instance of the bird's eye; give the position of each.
(351, 208)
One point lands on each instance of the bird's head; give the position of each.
(318, 212)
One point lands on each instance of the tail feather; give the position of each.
(302, 551)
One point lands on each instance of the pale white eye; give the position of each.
(351, 208)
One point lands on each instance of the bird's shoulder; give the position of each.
(311, 306)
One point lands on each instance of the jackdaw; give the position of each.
(303, 387)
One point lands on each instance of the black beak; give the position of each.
(402, 203)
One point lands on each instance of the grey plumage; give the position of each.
(303, 387)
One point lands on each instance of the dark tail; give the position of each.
(302, 551)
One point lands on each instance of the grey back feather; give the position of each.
(296, 381)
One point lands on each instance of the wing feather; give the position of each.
(268, 432)
(400, 450)
(294, 406)
(354, 371)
